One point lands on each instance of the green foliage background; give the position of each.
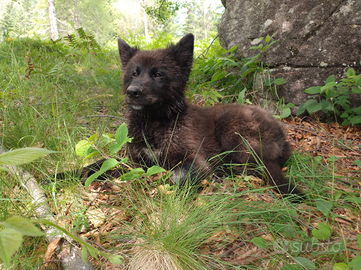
(106, 20)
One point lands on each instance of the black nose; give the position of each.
(134, 91)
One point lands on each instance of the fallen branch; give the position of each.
(70, 255)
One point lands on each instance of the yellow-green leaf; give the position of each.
(10, 242)
(23, 225)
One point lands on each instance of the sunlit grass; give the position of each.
(182, 229)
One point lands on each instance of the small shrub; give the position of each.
(220, 74)
(334, 98)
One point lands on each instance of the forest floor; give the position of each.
(339, 144)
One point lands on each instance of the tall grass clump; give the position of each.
(168, 230)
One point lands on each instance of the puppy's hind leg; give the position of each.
(281, 183)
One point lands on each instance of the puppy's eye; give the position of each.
(158, 75)
(134, 74)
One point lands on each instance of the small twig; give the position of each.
(71, 254)
(206, 50)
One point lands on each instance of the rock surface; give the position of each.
(317, 39)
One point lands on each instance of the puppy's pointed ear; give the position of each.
(126, 52)
(182, 52)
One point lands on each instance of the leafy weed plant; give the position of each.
(333, 99)
(218, 74)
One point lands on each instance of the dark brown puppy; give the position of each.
(195, 142)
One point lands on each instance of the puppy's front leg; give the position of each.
(191, 171)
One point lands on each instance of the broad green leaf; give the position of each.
(326, 105)
(83, 148)
(23, 225)
(107, 138)
(115, 148)
(324, 206)
(350, 72)
(355, 263)
(330, 79)
(313, 90)
(314, 107)
(289, 231)
(93, 137)
(10, 242)
(241, 96)
(310, 102)
(301, 109)
(92, 252)
(285, 112)
(121, 135)
(357, 110)
(154, 170)
(355, 120)
(356, 90)
(306, 263)
(323, 232)
(84, 254)
(260, 242)
(106, 166)
(329, 86)
(23, 155)
(340, 266)
(115, 259)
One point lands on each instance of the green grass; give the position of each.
(73, 93)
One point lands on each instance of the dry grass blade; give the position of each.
(153, 258)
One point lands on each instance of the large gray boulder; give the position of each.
(317, 39)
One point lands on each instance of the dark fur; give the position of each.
(195, 142)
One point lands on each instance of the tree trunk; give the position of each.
(145, 26)
(70, 255)
(52, 20)
(76, 15)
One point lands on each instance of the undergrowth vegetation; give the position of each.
(333, 99)
(59, 95)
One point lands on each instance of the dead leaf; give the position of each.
(51, 250)
(269, 237)
(96, 217)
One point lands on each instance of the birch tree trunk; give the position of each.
(145, 25)
(145, 21)
(70, 255)
(76, 15)
(54, 34)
